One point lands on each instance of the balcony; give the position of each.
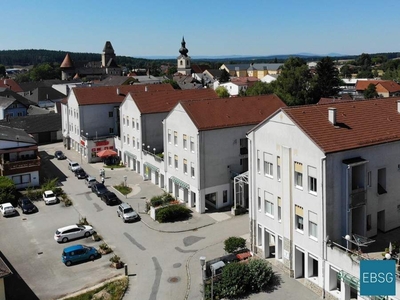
(358, 197)
(13, 166)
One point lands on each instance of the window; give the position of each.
(268, 166)
(127, 121)
(259, 236)
(185, 141)
(127, 139)
(124, 139)
(110, 114)
(175, 138)
(312, 179)
(123, 120)
(278, 168)
(312, 225)
(185, 166)
(382, 181)
(299, 218)
(169, 159)
(137, 124)
(259, 200)
(20, 114)
(268, 204)
(258, 162)
(169, 136)
(225, 196)
(133, 123)
(138, 144)
(192, 169)
(279, 209)
(369, 223)
(111, 130)
(298, 174)
(192, 144)
(243, 147)
(212, 198)
(176, 161)
(369, 179)
(133, 142)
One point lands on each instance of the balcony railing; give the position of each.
(358, 198)
(21, 164)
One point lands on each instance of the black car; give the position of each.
(99, 189)
(81, 174)
(26, 205)
(110, 198)
(59, 155)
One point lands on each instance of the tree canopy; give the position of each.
(222, 92)
(260, 88)
(225, 77)
(370, 92)
(327, 79)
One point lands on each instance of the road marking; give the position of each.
(133, 241)
(157, 279)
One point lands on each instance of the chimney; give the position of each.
(5, 81)
(398, 106)
(117, 91)
(332, 115)
(145, 88)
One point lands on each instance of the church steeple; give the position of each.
(183, 49)
(183, 61)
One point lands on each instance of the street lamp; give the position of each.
(203, 273)
(148, 148)
(154, 150)
(212, 281)
(347, 238)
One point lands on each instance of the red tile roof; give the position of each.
(358, 123)
(108, 94)
(157, 102)
(231, 112)
(390, 86)
(10, 84)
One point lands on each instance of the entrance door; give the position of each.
(381, 220)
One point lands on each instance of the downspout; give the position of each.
(323, 244)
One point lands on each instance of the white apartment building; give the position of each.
(141, 144)
(90, 117)
(205, 146)
(318, 173)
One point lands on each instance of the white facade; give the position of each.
(303, 201)
(233, 88)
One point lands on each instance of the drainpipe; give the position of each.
(323, 244)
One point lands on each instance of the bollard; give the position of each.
(126, 269)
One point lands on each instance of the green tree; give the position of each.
(2, 70)
(222, 92)
(7, 190)
(370, 92)
(346, 71)
(225, 77)
(294, 85)
(234, 243)
(174, 84)
(44, 71)
(235, 280)
(327, 79)
(260, 272)
(172, 70)
(260, 88)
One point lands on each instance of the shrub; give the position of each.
(50, 185)
(115, 259)
(233, 244)
(7, 190)
(172, 213)
(156, 201)
(260, 272)
(235, 280)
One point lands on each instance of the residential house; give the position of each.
(210, 76)
(318, 174)
(269, 78)
(13, 104)
(239, 85)
(10, 84)
(237, 70)
(384, 88)
(19, 159)
(205, 146)
(90, 117)
(4, 272)
(261, 70)
(142, 137)
(43, 128)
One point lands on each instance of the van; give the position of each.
(78, 253)
(89, 181)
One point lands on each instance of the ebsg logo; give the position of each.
(377, 277)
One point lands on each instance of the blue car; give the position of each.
(78, 253)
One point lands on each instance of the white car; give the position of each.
(49, 197)
(73, 166)
(7, 209)
(71, 232)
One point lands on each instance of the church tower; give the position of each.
(183, 66)
(108, 53)
(67, 68)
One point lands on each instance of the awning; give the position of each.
(127, 153)
(150, 166)
(349, 279)
(180, 182)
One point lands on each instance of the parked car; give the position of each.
(26, 205)
(110, 198)
(7, 209)
(81, 174)
(71, 232)
(89, 181)
(127, 213)
(78, 253)
(59, 155)
(49, 197)
(99, 189)
(73, 166)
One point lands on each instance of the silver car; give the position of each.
(127, 213)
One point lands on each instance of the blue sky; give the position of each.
(211, 28)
